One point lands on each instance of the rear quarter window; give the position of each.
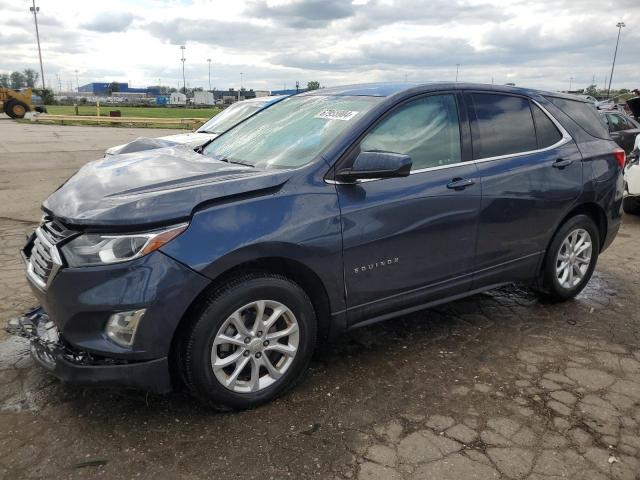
(548, 134)
(584, 114)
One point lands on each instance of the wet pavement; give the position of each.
(498, 385)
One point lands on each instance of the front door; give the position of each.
(410, 240)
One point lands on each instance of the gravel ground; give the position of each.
(498, 385)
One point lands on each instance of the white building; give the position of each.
(203, 98)
(177, 98)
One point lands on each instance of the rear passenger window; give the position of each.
(584, 114)
(504, 125)
(426, 129)
(548, 134)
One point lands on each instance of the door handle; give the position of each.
(460, 183)
(561, 163)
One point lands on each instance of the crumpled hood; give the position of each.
(191, 139)
(152, 187)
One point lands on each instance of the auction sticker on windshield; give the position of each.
(333, 114)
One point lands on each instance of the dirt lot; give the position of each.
(495, 386)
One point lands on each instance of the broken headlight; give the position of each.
(100, 249)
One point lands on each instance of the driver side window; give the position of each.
(426, 129)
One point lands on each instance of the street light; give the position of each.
(35, 11)
(457, 70)
(77, 82)
(570, 83)
(184, 81)
(620, 25)
(209, 60)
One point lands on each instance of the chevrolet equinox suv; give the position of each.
(221, 270)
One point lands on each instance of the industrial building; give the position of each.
(98, 88)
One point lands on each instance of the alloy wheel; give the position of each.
(574, 258)
(255, 346)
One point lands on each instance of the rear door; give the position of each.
(409, 240)
(531, 171)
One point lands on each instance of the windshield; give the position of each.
(231, 116)
(291, 133)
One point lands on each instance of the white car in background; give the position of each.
(228, 118)
(631, 201)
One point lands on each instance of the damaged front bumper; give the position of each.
(51, 351)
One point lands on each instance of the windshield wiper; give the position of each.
(222, 158)
(239, 162)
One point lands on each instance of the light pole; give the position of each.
(241, 74)
(457, 70)
(35, 11)
(570, 83)
(184, 81)
(209, 60)
(77, 82)
(620, 25)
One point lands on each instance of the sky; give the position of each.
(274, 43)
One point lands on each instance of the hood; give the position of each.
(191, 139)
(152, 187)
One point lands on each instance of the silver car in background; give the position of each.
(228, 118)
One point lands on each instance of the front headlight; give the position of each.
(100, 249)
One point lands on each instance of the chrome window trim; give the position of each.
(566, 138)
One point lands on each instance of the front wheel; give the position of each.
(571, 259)
(250, 342)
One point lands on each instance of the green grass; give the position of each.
(147, 112)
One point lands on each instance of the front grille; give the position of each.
(44, 260)
(41, 261)
(55, 232)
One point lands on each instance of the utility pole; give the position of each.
(59, 82)
(77, 82)
(184, 81)
(570, 83)
(35, 11)
(457, 71)
(620, 25)
(209, 61)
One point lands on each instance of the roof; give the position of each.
(388, 89)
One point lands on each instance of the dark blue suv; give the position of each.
(220, 270)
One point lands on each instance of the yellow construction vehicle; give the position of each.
(16, 103)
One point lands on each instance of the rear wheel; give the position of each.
(15, 108)
(250, 342)
(571, 259)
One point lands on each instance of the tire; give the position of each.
(15, 108)
(203, 344)
(552, 287)
(631, 205)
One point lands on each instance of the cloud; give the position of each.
(301, 13)
(107, 22)
(233, 35)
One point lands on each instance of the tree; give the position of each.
(591, 90)
(114, 87)
(46, 94)
(18, 80)
(5, 80)
(313, 85)
(30, 77)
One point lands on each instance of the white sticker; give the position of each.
(336, 114)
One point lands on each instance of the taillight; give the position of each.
(620, 156)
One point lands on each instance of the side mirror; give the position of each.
(376, 165)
